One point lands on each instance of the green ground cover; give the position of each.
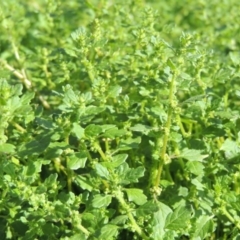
(119, 119)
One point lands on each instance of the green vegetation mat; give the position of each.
(119, 120)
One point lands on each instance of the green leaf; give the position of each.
(77, 160)
(8, 168)
(93, 110)
(106, 127)
(179, 219)
(92, 130)
(35, 147)
(108, 232)
(203, 228)
(134, 174)
(16, 89)
(27, 97)
(100, 201)
(44, 123)
(78, 131)
(70, 94)
(119, 159)
(79, 236)
(114, 91)
(129, 143)
(136, 195)
(169, 235)
(183, 191)
(55, 149)
(198, 184)
(196, 168)
(102, 171)
(147, 209)
(141, 128)
(230, 148)
(51, 180)
(121, 170)
(84, 183)
(192, 155)
(14, 103)
(122, 219)
(33, 168)
(49, 229)
(235, 57)
(7, 148)
(114, 132)
(116, 161)
(159, 219)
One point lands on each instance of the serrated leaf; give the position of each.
(196, 168)
(100, 201)
(136, 195)
(92, 130)
(102, 171)
(179, 219)
(192, 155)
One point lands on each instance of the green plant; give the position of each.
(118, 121)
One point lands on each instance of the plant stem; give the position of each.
(167, 130)
(119, 195)
(100, 151)
(228, 215)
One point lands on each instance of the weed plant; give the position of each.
(119, 119)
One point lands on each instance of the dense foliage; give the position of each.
(119, 119)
